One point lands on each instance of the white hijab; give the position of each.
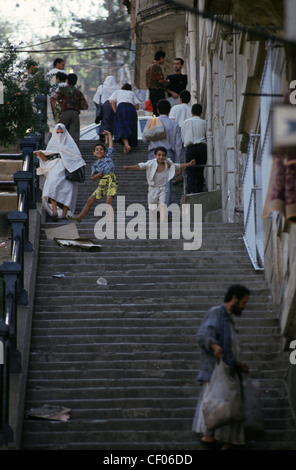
(65, 145)
(105, 91)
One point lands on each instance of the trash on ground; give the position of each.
(62, 231)
(58, 275)
(56, 413)
(84, 243)
(102, 282)
(2, 245)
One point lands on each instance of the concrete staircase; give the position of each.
(124, 356)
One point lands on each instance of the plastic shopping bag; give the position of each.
(223, 402)
(154, 129)
(253, 424)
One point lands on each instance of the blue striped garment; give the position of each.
(105, 166)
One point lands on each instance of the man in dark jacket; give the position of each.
(217, 340)
(155, 80)
(71, 102)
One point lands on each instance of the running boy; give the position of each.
(102, 170)
(159, 171)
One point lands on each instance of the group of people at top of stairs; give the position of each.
(116, 113)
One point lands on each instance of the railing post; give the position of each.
(22, 179)
(5, 430)
(10, 273)
(18, 221)
(11, 363)
(28, 145)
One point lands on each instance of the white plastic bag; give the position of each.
(223, 403)
(154, 129)
(253, 423)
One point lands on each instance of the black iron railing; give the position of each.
(12, 276)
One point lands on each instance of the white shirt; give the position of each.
(124, 96)
(180, 112)
(151, 167)
(194, 131)
(51, 75)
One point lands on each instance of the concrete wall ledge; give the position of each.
(211, 205)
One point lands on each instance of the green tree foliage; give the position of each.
(18, 113)
(110, 34)
(113, 29)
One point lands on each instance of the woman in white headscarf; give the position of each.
(59, 195)
(102, 95)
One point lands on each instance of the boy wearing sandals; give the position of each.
(102, 171)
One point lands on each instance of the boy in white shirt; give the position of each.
(181, 112)
(159, 171)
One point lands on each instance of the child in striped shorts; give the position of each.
(102, 170)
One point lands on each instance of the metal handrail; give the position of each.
(26, 162)
(249, 198)
(9, 307)
(13, 278)
(12, 271)
(21, 202)
(15, 250)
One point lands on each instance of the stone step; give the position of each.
(140, 311)
(268, 378)
(8, 201)
(63, 343)
(132, 421)
(135, 404)
(120, 437)
(81, 288)
(134, 353)
(80, 327)
(8, 167)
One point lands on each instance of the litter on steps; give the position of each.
(55, 413)
(84, 243)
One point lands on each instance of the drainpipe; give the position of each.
(197, 61)
(290, 12)
(192, 53)
(209, 108)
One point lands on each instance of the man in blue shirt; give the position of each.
(102, 170)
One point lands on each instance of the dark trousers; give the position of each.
(155, 96)
(195, 175)
(70, 118)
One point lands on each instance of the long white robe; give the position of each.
(56, 186)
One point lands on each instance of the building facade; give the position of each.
(239, 57)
